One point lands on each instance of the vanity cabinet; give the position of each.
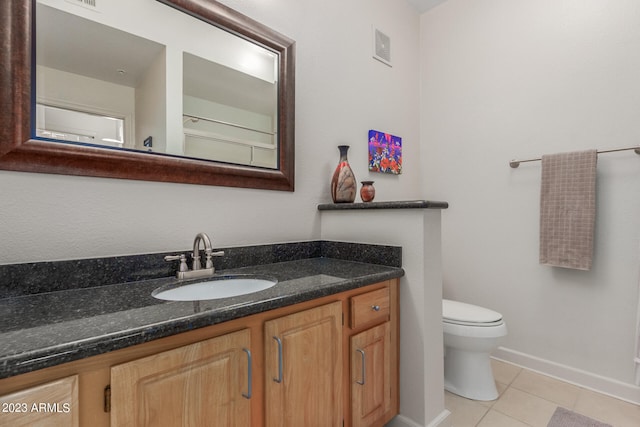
(327, 362)
(203, 384)
(303, 368)
(47, 405)
(371, 375)
(373, 360)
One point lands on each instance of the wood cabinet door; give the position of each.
(54, 404)
(303, 368)
(371, 375)
(197, 385)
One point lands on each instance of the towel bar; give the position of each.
(515, 163)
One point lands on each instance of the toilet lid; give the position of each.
(459, 312)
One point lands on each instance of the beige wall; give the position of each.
(507, 79)
(341, 93)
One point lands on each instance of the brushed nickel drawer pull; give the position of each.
(375, 307)
(250, 375)
(279, 341)
(362, 355)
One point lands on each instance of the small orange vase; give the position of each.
(367, 192)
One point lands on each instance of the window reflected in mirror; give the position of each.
(77, 126)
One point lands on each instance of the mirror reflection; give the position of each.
(171, 85)
(76, 126)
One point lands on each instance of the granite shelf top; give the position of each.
(408, 204)
(46, 329)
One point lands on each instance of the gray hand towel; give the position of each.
(568, 209)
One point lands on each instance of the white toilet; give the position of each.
(471, 333)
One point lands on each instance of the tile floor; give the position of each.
(528, 399)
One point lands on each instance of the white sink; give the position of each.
(215, 288)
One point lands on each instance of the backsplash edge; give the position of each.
(50, 276)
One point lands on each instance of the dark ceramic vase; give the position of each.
(343, 182)
(367, 192)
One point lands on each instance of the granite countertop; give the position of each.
(46, 329)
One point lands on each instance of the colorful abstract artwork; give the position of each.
(385, 152)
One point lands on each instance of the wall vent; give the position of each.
(89, 4)
(381, 46)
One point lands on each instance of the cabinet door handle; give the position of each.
(375, 307)
(279, 341)
(364, 358)
(250, 375)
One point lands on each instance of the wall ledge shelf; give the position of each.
(408, 204)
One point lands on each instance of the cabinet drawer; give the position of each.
(370, 307)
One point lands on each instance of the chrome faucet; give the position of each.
(196, 268)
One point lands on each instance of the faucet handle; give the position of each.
(182, 258)
(209, 254)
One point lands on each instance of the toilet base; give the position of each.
(468, 374)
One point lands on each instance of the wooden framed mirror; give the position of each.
(26, 147)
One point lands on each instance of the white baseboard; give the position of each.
(442, 420)
(402, 421)
(588, 380)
